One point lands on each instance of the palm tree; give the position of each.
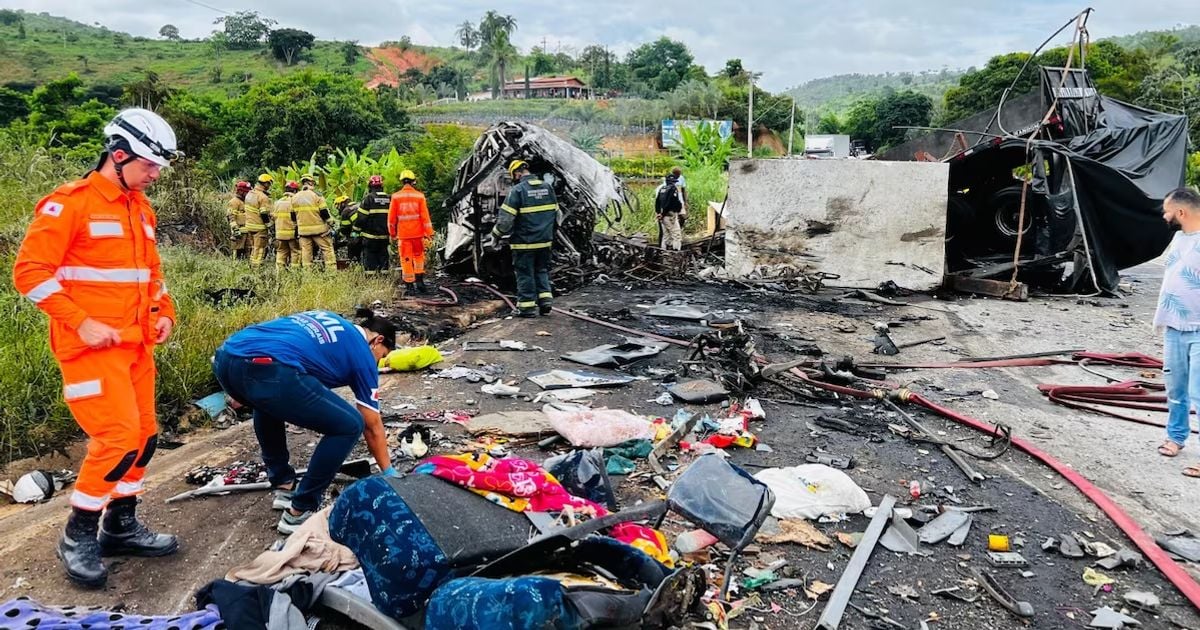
(494, 33)
(468, 36)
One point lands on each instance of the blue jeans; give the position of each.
(281, 394)
(1181, 371)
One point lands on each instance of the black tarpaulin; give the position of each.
(1115, 178)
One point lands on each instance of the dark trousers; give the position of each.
(375, 254)
(354, 249)
(532, 268)
(280, 395)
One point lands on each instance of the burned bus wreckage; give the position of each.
(1072, 179)
(587, 191)
(1100, 169)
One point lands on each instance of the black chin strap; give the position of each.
(120, 174)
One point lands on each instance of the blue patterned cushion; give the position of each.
(523, 603)
(401, 562)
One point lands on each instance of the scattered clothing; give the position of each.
(235, 473)
(309, 550)
(26, 613)
(521, 485)
(244, 606)
(353, 582)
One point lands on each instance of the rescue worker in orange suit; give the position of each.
(372, 224)
(313, 225)
(409, 225)
(236, 214)
(90, 261)
(287, 246)
(257, 221)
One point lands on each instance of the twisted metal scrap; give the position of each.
(587, 191)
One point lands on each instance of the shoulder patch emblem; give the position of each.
(52, 208)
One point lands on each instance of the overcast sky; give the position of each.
(789, 41)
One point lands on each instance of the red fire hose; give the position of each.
(1172, 571)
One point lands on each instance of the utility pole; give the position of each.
(791, 126)
(750, 117)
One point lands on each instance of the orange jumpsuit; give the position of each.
(91, 252)
(409, 224)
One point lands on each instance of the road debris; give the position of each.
(810, 491)
(831, 616)
(575, 379)
(1108, 618)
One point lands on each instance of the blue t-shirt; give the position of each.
(318, 343)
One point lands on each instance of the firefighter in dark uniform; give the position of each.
(346, 234)
(529, 214)
(372, 224)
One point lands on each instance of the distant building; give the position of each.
(547, 87)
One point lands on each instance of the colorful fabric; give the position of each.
(646, 539)
(509, 604)
(518, 484)
(401, 561)
(26, 613)
(523, 486)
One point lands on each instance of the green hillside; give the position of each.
(55, 46)
(837, 93)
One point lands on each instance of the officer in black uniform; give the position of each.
(529, 214)
(347, 236)
(371, 223)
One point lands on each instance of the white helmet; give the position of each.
(142, 133)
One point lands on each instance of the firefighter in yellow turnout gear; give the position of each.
(256, 213)
(312, 225)
(287, 247)
(235, 213)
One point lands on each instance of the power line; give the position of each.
(207, 6)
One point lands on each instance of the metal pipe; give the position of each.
(592, 320)
(831, 617)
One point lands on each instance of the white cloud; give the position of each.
(789, 41)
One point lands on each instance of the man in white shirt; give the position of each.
(1178, 317)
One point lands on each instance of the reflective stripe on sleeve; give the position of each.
(44, 290)
(509, 209)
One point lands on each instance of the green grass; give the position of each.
(54, 47)
(33, 418)
(704, 185)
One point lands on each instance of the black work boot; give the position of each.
(409, 288)
(526, 313)
(545, 309)
(124, 535)
(421, 288)
(80, 551)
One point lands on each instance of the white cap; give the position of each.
(148, 135)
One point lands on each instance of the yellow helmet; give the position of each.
(407, 175)
(340, 200)
(265, 178)
(308, 179)
(516, 164)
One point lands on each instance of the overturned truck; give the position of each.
(1098, 171)
(587, 191)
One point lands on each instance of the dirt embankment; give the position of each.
(392, 63)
